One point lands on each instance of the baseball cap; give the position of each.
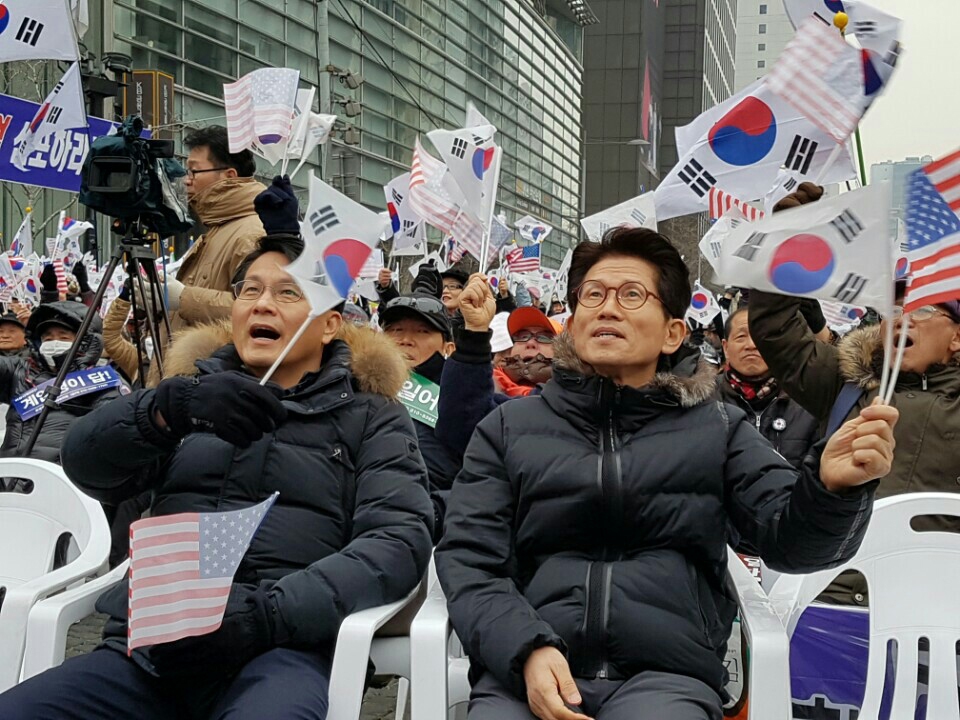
(952, 307)
(11, 317)
(525, 317)
(423, 307)
(500, 340)
(455, 273)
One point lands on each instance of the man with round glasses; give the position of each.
(841, 380)
(585, 546)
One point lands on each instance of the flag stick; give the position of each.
(286, 351)
(887, 355)
(901, 346)
(297, 168)
(834, 154)
(485, 242)
(863, 170)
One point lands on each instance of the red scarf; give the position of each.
(508, 386)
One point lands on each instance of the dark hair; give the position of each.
(728, 325)
(673, 278)
(214, 138)
(289, 245)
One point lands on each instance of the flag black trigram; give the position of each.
(851, 288)
(864, 28)
(801, 154)
(459, 148)
(478, 141)
(748, 251)
(397, 197)
(789, 184)
(409, 225)
(715, 248)
(848, 225)
(891, 57)
(29, 31)
(54, 115)
(638, 216)
(697, 178)
(323, 219)
(603, 228)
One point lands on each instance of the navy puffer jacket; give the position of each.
(352, 525)
(594, 518)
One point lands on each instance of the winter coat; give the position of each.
(594, 518)
(23, 372)
(351, 527)
(788, 427)
(927, 457)
(232, 231)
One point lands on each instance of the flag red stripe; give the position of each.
(947, 184)
(177, 635)
(155, 620)
(941, 163)
(150, 542)
(917, 282)
(154, 600)
(165, 559)
(933, 299)
(164, 579)
(184, 517)
(918, 264)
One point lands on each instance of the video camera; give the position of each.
(129, 178)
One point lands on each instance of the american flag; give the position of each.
(260, 107)
(428, 197)
(821, 76)
(181, 571)
(721, 201)
(525, 259)
(500, 235)
(933, 233)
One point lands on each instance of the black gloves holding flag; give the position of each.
(231, 405)
(278, 208)
(251, 626)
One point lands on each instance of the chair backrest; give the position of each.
(31, 523)
(914, 587)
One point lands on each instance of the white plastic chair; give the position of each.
(440, 681)
(30, 527)
(50, 620)
(914, 587)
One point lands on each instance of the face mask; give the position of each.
(52, 349)
(148, 347)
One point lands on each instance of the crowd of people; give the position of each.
(576, 482)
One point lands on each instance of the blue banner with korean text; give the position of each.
(57, 160)
(75, 384)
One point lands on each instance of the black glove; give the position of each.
(125, 290)
(248, 630)
(231, 405)
(80, 273)
(48, 279)
(278, 207)
(428, 281)
(813, 314)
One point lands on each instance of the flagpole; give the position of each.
(901, 347)
(863, 170)
(485, 242)
(286, 351)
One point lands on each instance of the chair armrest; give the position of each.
(429, 658)
(349, 671)
(769, 683)
(51, 618)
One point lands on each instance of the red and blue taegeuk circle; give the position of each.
(4, 17)
(394, 217)
(699, 301)
(343, 260)
(834, 6)
(802, 264)
(746, 134)
(271, 139)
(903, 267)
(482, 160)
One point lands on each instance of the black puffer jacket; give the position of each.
(351, 527)
(594, 518)
(23, 372)
(790, 429)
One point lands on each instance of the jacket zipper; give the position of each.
(923, 379)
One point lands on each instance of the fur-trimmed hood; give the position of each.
(685, 375)
(861, 357)
(376, 364)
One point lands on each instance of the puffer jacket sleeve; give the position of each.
(113, 452)
(476, 564)
(117, 348)
(808, 369)
(390, 544)
(12, 369)
(466, 389)
(387, 293)
(792, 521)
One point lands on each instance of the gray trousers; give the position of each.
(648, 696)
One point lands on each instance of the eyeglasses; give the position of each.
(452, 286)
(191, 173)
(250, 290)
(525, 336)
(630, 295)
(921, 314)
(423, 304)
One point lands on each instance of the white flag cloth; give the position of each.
(785, 183)
(81, 17)
(435, 258)
(840, 316)
(275, 152)
(62, 109)
(836, 249)
(474, 117)
(339, 235)
(636, 212)
(874, 29)
(22, 244)
(471, 156)
(740, 146)
(405, 224)
(36, 30)
(711, 244)
(703, 305)
(413, 250)
(260, 107)
(531, 229)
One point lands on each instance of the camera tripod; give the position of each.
(135, 252)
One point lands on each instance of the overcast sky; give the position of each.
(919, 114)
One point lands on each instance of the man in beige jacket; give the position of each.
(221, 190)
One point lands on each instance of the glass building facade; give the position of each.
(518, 61)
